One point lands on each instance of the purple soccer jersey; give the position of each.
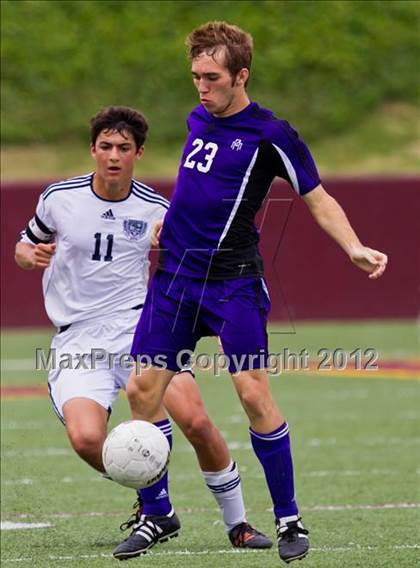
(226, 171)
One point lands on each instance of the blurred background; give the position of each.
(345, 74)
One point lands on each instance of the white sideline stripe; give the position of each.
(383, 507)
(11, 526)
(192, 476)
(354, 548)
(34, 425)
(186, 448)
(195, 510)
(38, 453)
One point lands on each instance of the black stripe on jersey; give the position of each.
(66, 185)
(37, 232)
(296, 142)
(33, 237)
(63, 188)
(141, 185)
(147, 189)
(70, 181)
(41, 225)
(238, 255)
(149, 192)
(55, 408)
(66, 182)
(275, 162)
(259, 182)
(149, 199)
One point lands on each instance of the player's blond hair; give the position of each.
(212, 36)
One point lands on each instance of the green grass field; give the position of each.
(356, 439)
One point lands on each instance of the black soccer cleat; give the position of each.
(292, 540)
(148, 531)
(245, 536)
(134, 518)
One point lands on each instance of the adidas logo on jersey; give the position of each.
(108, 215)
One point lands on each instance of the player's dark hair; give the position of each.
(120, 119)
(212, 36)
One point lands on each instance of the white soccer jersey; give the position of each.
(101, 264)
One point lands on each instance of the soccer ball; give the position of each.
(136, 454)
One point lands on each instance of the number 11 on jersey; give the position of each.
(96, 253)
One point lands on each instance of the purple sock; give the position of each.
(273, 451)
(155, 499)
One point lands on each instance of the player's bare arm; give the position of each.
(29, 256)
(330, 216)
(156, 231)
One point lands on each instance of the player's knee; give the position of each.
(132, 390)
(138, 390)
(199, 429)
(86, 442)
(255, 402)
(141, 387)
(144, 398)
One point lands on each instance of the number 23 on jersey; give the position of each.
(205, 165)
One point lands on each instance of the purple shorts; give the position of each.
(178, 311)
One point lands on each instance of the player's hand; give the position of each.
(370, 260)
(43, 254)
(155, 236)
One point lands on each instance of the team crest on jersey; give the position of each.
(134, 229)
(236, 144)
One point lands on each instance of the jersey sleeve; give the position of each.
(160, 210)
(41, 228)
(292, 160)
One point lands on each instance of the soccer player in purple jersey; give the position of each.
(210, 277)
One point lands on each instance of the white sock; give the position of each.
(284, 520)
(226, 488)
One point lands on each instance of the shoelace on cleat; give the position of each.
(134, 518)
(291, 531)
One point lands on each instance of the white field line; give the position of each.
(321, 549)
(11, 526)
(187, 448)
(33, 425)
(193, 475)
(38, 453)
(212, 510)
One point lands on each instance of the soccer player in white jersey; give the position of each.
(91, 235)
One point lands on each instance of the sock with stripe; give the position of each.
(273, 451)
(226, 488)
(155, 499)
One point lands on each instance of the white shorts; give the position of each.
(92, 360)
